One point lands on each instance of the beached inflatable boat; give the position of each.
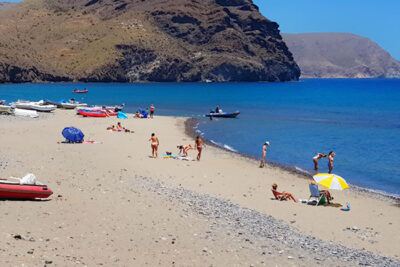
(9, 189)
(92, 113)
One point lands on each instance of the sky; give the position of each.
(378, 20)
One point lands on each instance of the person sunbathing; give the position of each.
(138, 115)
(185, 149)
(324, 192)
(282, 195)
(122, 129)
(112, 128)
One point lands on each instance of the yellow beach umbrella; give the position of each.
(331, 181)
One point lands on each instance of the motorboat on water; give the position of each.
(38, 106)
(15, 188)
(80, 91)
(213, 114)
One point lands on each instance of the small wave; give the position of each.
(302, 170)
(230, 148)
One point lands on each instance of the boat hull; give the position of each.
(223, 115)
(24, 191)
(88, 113)
(80, 92)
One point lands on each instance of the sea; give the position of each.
(358, 119)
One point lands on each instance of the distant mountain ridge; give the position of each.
(340, 55)
(141, 40)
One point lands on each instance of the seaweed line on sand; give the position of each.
(190, 124)
(261, 226)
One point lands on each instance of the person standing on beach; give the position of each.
(316, 158)
(152, 109)
(264, 155)
(199, 145)
(154, 144)
(331, 155)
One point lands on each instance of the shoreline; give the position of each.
(191, 123)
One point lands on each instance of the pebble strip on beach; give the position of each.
(263, 228)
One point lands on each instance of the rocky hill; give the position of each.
(340, 55)
(141, 40)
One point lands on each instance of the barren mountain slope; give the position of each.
(340, 55)
(141, 40)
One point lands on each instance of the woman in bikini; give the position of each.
(185, 149)
(282, 195)
(264, 154)
(331, 155)
(199, 145)
(316, 158)
(154, 144)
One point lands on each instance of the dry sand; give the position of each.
(108, 208)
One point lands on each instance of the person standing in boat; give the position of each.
(199, 146)
(331, 155)
(316, 158)
(152, 109)
(154, 144)
(264, 155)
(217, 109)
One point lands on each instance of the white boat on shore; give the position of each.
(5, 109)
(38, 106)
(25, 113)
(73, 105)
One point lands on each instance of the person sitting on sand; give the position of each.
(154, 144)
(138, 115)
(199, 145)
(282, 195)
(324, 192)
(185, 149)
(331, 155)
(316, 158)
(264, 155)
(122, 129)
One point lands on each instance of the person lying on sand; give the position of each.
(316, 158)
(185, 149)
(138, 115)
(122, 129)
(282, 195)
(112, 128)
(324, 192)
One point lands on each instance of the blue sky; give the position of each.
(378, 20)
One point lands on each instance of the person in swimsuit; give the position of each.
(152, 109)
(154, 144)
(199, 145)
(185, 149)
(112, 128)
(331, 155)
(325, 192)
(282, 195)
(264, 154)
(316, 158)
(122, 129)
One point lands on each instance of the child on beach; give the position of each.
(331, 155)
(264, 154)
(199, 145)
(316, 158)
(154, 144)
(282, 195)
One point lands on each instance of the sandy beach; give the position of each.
(114, 205)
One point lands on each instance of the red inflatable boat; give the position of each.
(14, 190)
(80, 91)
(91, 113)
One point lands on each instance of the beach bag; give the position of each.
(28, 179)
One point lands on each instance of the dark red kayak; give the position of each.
(80, 91)
(13, 190)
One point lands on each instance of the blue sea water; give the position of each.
(358, 119)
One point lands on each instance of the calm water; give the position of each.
(358, 119)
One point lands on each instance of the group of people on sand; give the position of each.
(147, 114)
(118, 128)
(289, 196)
(198, 144)
(331, 155)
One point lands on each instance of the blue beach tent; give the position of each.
(73, 135)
